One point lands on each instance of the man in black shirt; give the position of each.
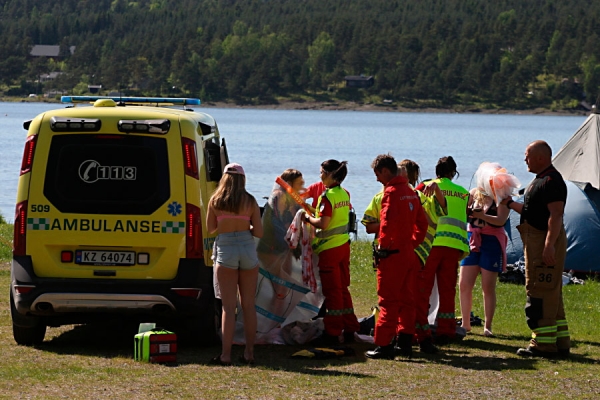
(545, 246)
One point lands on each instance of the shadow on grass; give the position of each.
(461, 355)
(577, 342)
(116, 341)
(279, 358)
(106, 340)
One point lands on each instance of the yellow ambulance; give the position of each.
(110, 216)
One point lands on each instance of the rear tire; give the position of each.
(30, 331)
(29, 336)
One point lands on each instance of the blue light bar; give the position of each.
(132, 100)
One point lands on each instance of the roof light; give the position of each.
(133, 100)
(59, 124)
(160, 126)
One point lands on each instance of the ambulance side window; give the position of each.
(212, 156)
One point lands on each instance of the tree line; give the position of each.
(513, 53)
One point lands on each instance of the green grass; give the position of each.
(6, 237)
(97, 361)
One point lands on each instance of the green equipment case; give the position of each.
(155, 346)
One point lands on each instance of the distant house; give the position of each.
(50, 77)
(94, 88)
(43, 50)
(54, 93)
(359, 81)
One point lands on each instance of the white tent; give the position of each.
(579, 159)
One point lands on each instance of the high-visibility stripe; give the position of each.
(330, 232)
(546, 339)
(452, 228)
(452, 235)
(422, 253)
(433, 211)
(340, 203)
(546, 329)
(452, 221)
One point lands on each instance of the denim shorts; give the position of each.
(235, 250)
(489, 256)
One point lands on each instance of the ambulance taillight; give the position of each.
(193, 233)
(28, 153)
(190, 158)
(20, 229)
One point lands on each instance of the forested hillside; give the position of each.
(511, 53)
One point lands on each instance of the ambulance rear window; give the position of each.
(107, 174)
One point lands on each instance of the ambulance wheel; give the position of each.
(30, 331)
(25, 336)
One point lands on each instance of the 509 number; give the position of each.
(40, 208)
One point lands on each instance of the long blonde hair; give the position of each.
(231, 194)
(479, 197)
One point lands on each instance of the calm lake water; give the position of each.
(266, 142)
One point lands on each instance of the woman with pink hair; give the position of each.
(487, 240)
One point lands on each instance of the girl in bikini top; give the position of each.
(227, 216)
(231, 208)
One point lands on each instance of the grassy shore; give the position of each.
(97, 361)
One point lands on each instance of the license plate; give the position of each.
(101, 257)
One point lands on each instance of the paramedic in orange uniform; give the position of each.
(403, 226)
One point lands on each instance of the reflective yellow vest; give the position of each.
(452, 229)
(336, 233)
(433, 212)
(372, 213)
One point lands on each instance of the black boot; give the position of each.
(325, 340)
(349, 337)
(404, 345)
(381, 352)
(427, 346)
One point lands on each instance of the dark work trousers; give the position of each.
(544, 309)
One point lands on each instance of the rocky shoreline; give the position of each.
(354, 106)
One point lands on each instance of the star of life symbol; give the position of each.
(91, 171)
(174, 208)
